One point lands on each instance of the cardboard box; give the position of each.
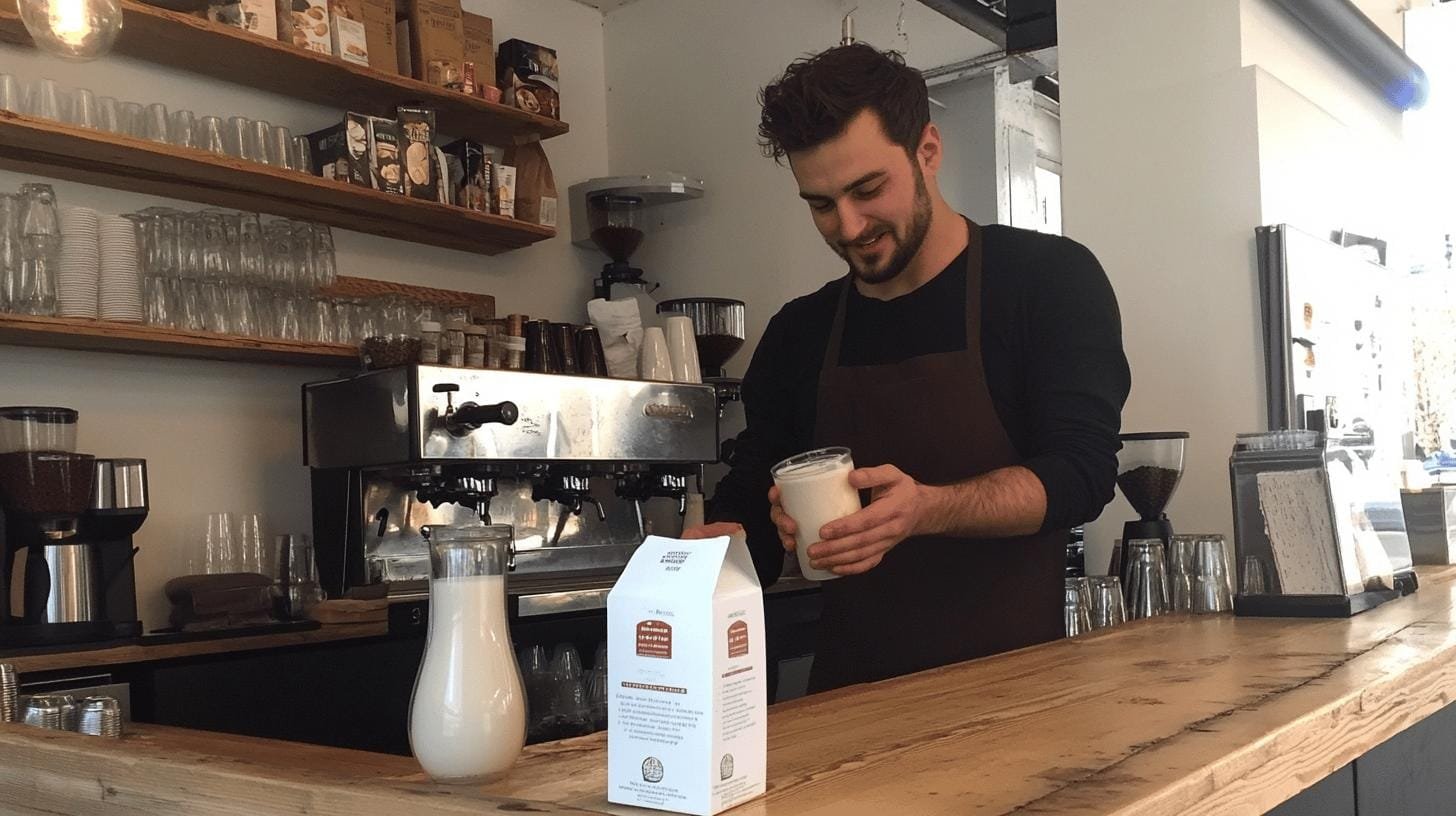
(417, 152)
(379, 35)
(529, 78)
(305, 23)
(479, 67)
(686, 672)
(436, 41)
(253, 16)
(385, 168)
(346, 21)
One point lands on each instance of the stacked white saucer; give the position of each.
(78, 279)
(121, 291)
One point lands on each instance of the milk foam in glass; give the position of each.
(814, 490)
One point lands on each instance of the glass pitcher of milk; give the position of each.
(468, 712)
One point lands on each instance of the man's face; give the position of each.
(868, 198)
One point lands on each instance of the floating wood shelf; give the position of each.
(200, 46)
(49, 148)
(105, 335)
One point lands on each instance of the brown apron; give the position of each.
(932, 600)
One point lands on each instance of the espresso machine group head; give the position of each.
(581, 467)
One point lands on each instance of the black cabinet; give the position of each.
(1332, 796)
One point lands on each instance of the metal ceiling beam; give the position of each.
(979, 17)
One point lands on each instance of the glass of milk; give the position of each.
(814, 490)
(468, 713)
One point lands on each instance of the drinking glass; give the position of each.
(11, 98)
(536, 674)
(1212, 591)
(1180, 573)
(40, 246)
(325, 266)
(1108, 608)
(297, 574)
(1253, 579)
(322, 327)
(569, 706)
(10, 251)
(47, 101)
(238, 139)
(211, 135)
(1076, 617)
(302, 156)
(251, 538)
(279, 143)
(220, 543)
(84, 110)
(259, 134)
(108, 112)
(154, 123)
(131, 115)
(1146, 578)
(183, 129)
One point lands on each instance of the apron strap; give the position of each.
(973, 302)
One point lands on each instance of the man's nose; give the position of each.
(852, 222)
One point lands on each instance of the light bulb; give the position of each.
(74, 29)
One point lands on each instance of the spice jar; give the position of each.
(475, 346)
(429, 342)
(453, 347)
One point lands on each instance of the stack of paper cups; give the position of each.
(121, 289)
(78, 278)
(682, 348)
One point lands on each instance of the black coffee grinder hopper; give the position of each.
(1149, 468)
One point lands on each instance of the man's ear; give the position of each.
(930, 152)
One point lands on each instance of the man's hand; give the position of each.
(717, 528)
(786, 526)
(858, 542)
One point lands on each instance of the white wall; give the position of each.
(682, 83)
(226, 436)
(1245, 121)
(968, 123)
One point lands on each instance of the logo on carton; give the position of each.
(725, 768)
(654, 639)
(738, 639)
(652, 770)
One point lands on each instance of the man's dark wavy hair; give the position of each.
(818, 95)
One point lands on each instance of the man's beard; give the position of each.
(906, 246)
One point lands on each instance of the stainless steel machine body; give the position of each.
(582, 467)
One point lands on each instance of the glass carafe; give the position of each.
(40, 235)
(468, 713)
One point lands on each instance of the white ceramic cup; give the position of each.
(682, 348)
(656, 361)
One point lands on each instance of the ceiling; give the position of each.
(929, 41)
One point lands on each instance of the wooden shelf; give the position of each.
(110, 160)
(200, 46)
(103, 335)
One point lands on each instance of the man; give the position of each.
(976, 373)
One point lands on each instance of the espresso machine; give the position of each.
(582, 467)
(67, 521)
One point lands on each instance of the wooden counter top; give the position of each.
(1209, 715)
(138, 653)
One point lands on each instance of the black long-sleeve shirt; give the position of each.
(1051, 339)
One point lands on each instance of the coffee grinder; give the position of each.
(67, 520)
(611, 214)
(1149, 467)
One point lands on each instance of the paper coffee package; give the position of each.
(686, 671)
(535, 184)
(341, 152)
(253, 16)
(386, 173)
(417, 151)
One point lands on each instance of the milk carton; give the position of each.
(686, 670)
